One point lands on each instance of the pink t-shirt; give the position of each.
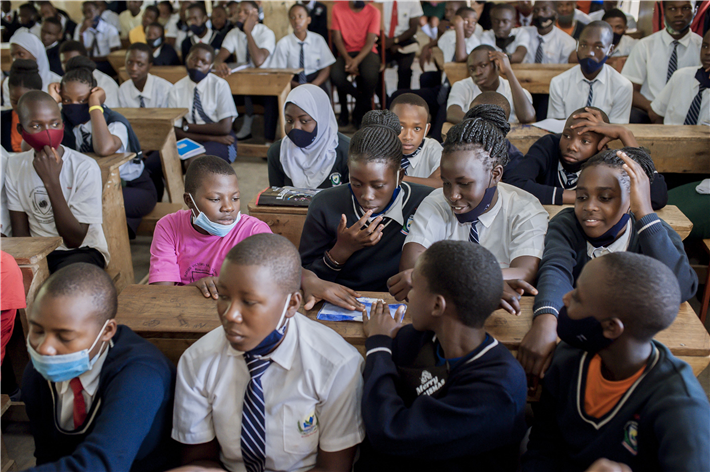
(180, 254)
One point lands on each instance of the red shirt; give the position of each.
(354, 26)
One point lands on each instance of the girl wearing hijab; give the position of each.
(313, 154)
(25, 45)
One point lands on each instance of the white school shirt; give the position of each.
(106, 38)
(676, 97)
(525, 20)
(427, 161)
(514, 227)
(236, 43)
(522, 38)
(316, 53)
(111, 17)
(215, 96)
(36, 30)
(447, 44)
(128, 22)
(313, 373)
(5, 223)
(626, 44)
(128, 171)
(556, 48)
(581, 17)
(620, 245)
(80, 179)
(110, 87)
(170, 27)
(612, 93)
(405, 12)
(464, 91)
(648, 61)
(599, 14)
(155, 93)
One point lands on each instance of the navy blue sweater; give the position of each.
(537, 173)
(566, 254)
(475, 423)
(130, 418)
(663, 425)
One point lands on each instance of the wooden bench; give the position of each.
(5, 58)
(173, 318)
(535, 78)
(161, 209)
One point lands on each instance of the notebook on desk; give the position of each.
(286, 196)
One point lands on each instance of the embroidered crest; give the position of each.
(407, 225)
(308, 424)
(631, 431)
(41, 204)
(335, 179)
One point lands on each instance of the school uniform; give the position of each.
(55, 63)
(110, 87)
(609, 91)
(567, 251)
(396, 16)
(465, 91)
(514, 226)
(128, 397)
(626, 44)
(659, 424)
(542, 174)
(369, 268)
(424, 161)
(338, 175)
(319, 17)
(111, 17)
(311, 391)
(651, 60)
(599, 14)
(213, 38)
(519, 37)
(5, 223)
(68, 26)
(419, 411)
(556, 46)
(128, 22)
(80, 180)
(236, 43)
(681, 102)
(154, 93)
(165, 55)
(315, 51)
(447, 44)
(99, 40)
(10, 137)
(217, 104)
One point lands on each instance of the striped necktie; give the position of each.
(568, 178)
(79, 402)
(140, 97)
(253, 440)
(302, 65)
(197, 109)
(86, 144)
(405, 164)
(473, 234)
(538, 53)
(590, 97)
(694, 111)
(673, 61)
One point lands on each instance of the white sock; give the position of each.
(245, 130)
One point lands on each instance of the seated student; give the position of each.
(176, 29)
(524, 16)
(24, 45)
(163, 53)
(98, 37)
(552, 165)
(655, 58)
(421, 155)
(401, 22)
(130, 18)
(495, 108)
(612, 391)
(612, 213)
(219, 20)
(485, 65)
(24, 76)
(94, 127)
(609, 6)
(450, 9)
(318, 12)
(303, 49)
(199, 31)
(313, 154)
(71, 49)
(150, 16)
(12, 298)
(453, 376)
(270, 389)
(592, 82)
(355, 29)
(503, 37)
(52, 37)
(353, 233)
(210, 102)
(28, 17)
(570, 19)
(47, 10)
(143, 90)
(685, 100)
(623, 43)
(98, 396)
(548, 43)
(5, 223)
(109, 16)
(50, 197)
(457, 43)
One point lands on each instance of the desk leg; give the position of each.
(282, 103)
(116, 231)
(172, 169)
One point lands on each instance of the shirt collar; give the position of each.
(394, 212)
(305, 41)
(283, 355)
(668, 39)
(620, 245)
(601, 77)
(147, 89)
(487, 218)
(51, 46)
(90, 378)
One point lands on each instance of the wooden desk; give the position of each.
(117, 58)
(535, 78)
(286, 221)
(154, 128)
(5, 58)
(173, 318)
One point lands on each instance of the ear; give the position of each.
(19, 128)
(612, 328)
(187, 199)
(294, 304)
(109, 331)
(497, 174)
(439, 307)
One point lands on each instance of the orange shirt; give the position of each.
(15, 135)
(600, 394)
(567, 30)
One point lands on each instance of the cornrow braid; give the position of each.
(481, 134)
(609, 158)
(378, 139)
(491, 113)
(80, 69)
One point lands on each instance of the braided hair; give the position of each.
(378, 139)
(80, 69)
(482, 137)
(491, 113)
(25, 73)
(609, 158)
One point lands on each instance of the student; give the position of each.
(313, 154)
(109, 16)
(401, 21)
(12, 298)
(525, 16)
(613, 212)
(5, 223)
(443, 371)
(176, 29)
(303, 49)
(163, 53)
(299, 408)
(353, 233)
(29, 18)
(450, 9)
(199, 31)
(93, 127)
(495, 108)
(137, 34)
(592, 82)
(24, 76)
(219, 20)
(457, 43)
(608, 7)
(167, 12)
(210, 102)
(143, 90)
(47, 10)
(98, 396)
(685, 100)
(71, 49)
(318, 12)
(355, 28)
(620, 394)
(130, 18)
(548, 43)
(52, 37)
(421, 155)
(623, 43)
(50, 197)
(570, 19)
(485, 65)
(98, 37)
(24, 45)
(655, 58)
(512, 41)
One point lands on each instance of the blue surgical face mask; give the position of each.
(586, 334)
(196, 75)
(302, 138)
(215, 229)
(64, 367)
(590, 66)
(275, 337)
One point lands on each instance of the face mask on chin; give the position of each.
(542, 22)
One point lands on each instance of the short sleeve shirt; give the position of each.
(154, 93)
(522, 38)
(354, 26)
(427, 161)
(405, 12)
(110, 87)
(236, 43)
(673, 103)
(105, 36)
(447, 44)
(556, 47)
(215, 96)
(316, 53)
(464, 91)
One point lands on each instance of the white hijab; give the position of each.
(29, 41)
(310, 166)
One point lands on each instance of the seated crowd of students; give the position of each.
(456, 228)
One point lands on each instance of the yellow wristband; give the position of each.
(96, 107)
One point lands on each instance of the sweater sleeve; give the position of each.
(659, 192)
(658, 240)
(536, 164)
(316, 238)
(276, 171)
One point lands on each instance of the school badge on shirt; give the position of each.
(631, 431)
(308, 425)
(335, 179)
(407, 225)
